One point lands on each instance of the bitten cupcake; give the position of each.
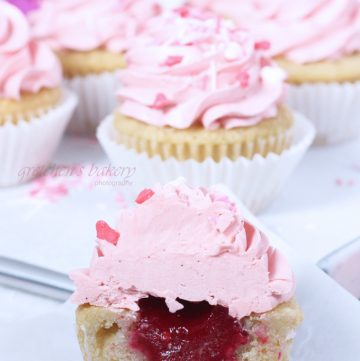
(318, 44)
(199, 99)
(34, 110)
(184, 277)
(90, 38)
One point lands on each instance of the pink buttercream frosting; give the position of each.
(26, 65)
(302, 31)
(191, 67)
(184, 243)
(83, 25)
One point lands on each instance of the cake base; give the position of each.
(104, 335)
(346, 69)
(29, 106)
(90, 62)
(272, 135)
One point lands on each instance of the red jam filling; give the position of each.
(198, 332)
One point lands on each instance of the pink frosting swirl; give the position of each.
(187, 243)
(190, 67)
(302, 31)
(84, 25)
(26, 65)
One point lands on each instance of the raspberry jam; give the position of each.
(198, 332)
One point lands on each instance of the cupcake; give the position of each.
(90, 38)
(204, 96)
(34, 110)
(318, 44)
(184, 277)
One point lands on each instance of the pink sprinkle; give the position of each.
(183, 11)
(244, 79)
(46, 188)
(279, 355)
(161, 102)
(34, 192)
(339, 182)
(99, 252)
(106, 233)
(60, 190)
(144, 195)
(173, 60)
(157, 9)
(262, 45)
(344, 182)
(264, 62)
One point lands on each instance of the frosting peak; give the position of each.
(187, 243)
(26, 65)
(302, 31)
(25, 5)
(198, 69)
(14, 30)
(83, 25)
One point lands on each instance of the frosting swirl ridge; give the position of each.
(83, 25)
(199, 69)
(302, 31)
(187, 243)
(26, 65)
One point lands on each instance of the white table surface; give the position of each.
(316, 213)
(318, 210)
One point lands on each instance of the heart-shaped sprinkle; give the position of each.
(144, 195)
(106, 233)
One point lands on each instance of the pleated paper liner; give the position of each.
(92, 62)
(197, 143)
(29, 106)
(256, 181)
(342, 70)
(97, 98)
(28, 146)
(333, 108)
(92, 75)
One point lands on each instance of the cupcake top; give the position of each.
(184, 243)
(191, 67)
(27, 66)
(84, 25)
(301, 31)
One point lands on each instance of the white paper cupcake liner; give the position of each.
(256, 181)
(334, 109)
(96, 100)
(27, 147)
